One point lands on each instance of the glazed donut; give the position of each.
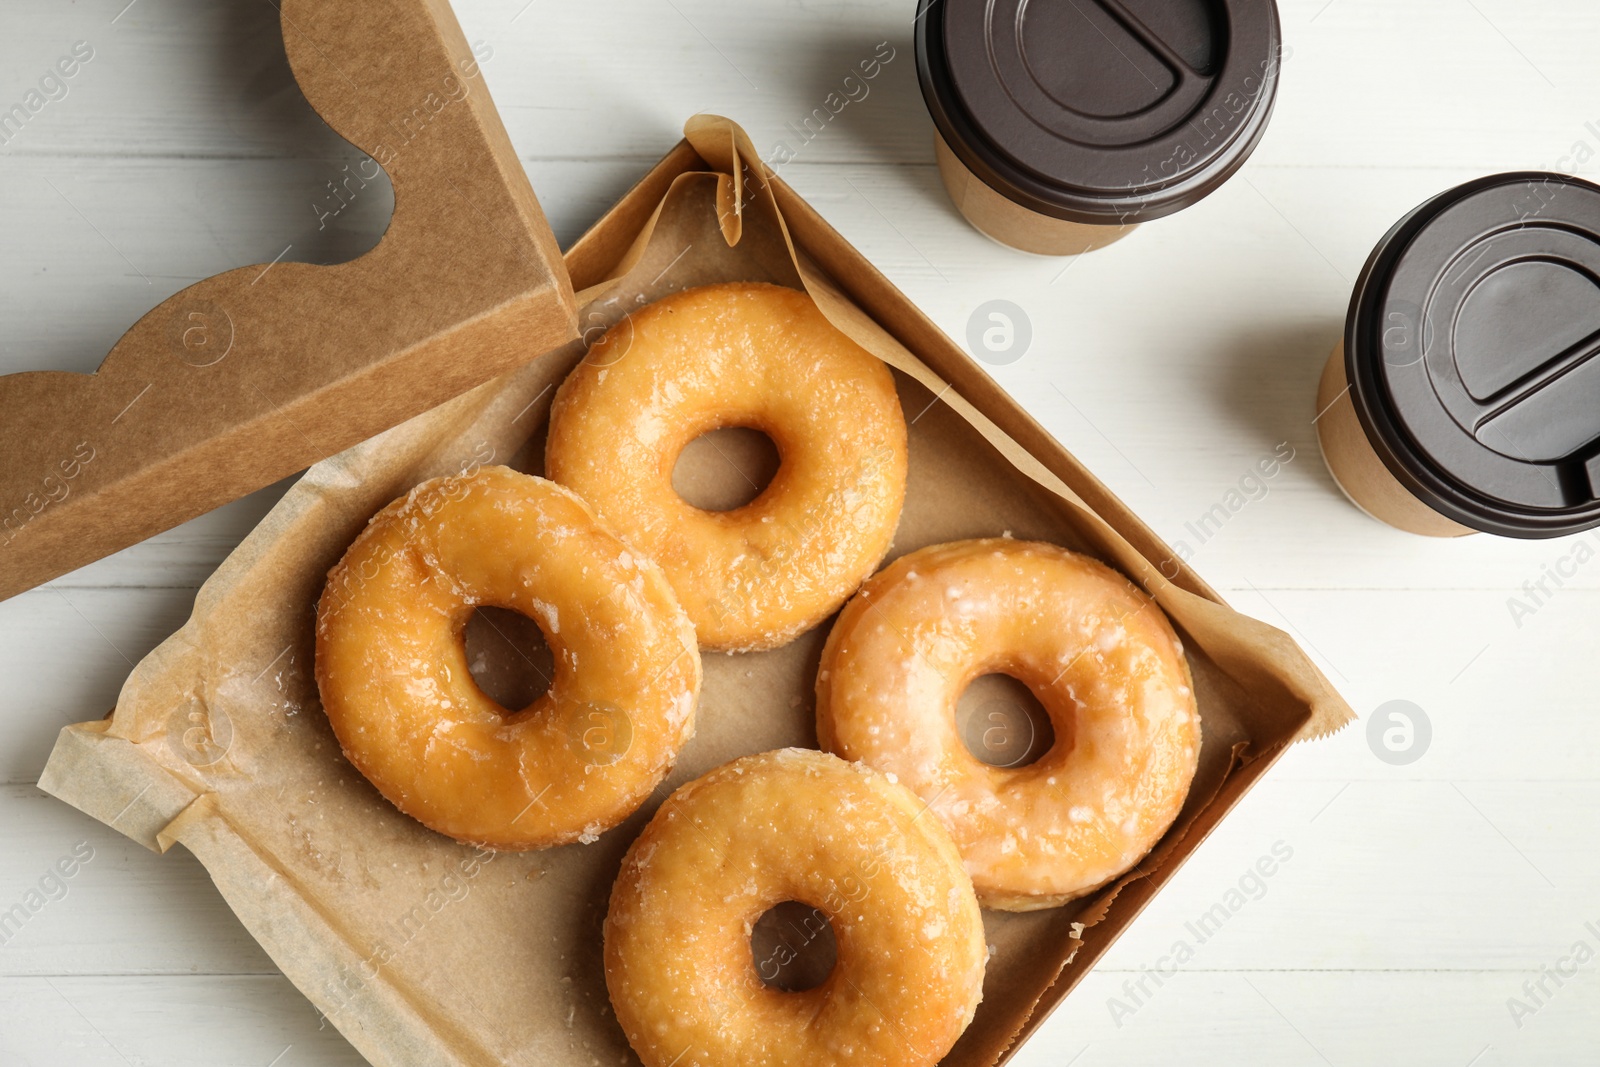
(795, 824)
(756, 356)
(392, 667)
(1102, 660)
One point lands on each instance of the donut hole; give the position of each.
(725, 469)
(793, 947)
(508, 657)
(1002, 723)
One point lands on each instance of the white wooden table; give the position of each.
(1417, 900)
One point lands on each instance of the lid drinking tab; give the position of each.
(1474, 353)
(1109, 111)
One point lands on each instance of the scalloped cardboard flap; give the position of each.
(254, 374)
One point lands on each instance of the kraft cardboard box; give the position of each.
(420, 949)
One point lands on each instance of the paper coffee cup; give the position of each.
(1465, 395)
(1061, 127)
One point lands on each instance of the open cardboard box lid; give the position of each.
(252, 375)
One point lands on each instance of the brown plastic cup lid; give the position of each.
(1472, 349)
(1100, 111)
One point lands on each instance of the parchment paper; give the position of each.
(423, 951)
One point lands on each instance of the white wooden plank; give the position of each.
(1200, 1018)
(187, 1021)
(1320, 1018)
(1173, 409)
(133, 231)
(145, 92)
(64, 655)
(1391, 864)
(1466, 657)
(1363, 910)
(1370, 874)
(65, 648)
(1382, 875)
(1367, 82)
(96, 246)
(1510, 696)
(1379, 875)
(122, 909)
(1196, 1018)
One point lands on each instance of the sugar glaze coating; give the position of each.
(392, 668)
(1099, 655)
(756, 356)
(794, 824)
